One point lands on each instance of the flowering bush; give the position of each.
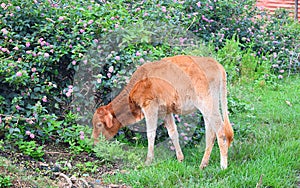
(56, 56)
(40, 48)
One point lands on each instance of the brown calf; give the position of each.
(174, 85)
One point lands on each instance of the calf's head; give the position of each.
(104, 123)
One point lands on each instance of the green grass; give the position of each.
(265, 152)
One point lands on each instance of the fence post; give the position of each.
(296, 10)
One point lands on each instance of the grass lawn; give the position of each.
(265, 152)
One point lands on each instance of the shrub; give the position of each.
(31, 149)
(278, 41)
(5, 181)
(41, 46)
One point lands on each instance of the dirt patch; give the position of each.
(59, 168)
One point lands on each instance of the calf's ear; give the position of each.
(108, 120)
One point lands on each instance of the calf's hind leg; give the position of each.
(210, 137)
(173, 133)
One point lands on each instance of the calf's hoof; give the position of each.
(203, 165)
(223, 167)
(148, 161)
(180, 157)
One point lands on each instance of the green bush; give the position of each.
(31, 149)
(41, 46)
(278, 41)
(5, 181)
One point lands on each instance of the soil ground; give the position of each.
(59, 168)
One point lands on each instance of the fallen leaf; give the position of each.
(288, 103)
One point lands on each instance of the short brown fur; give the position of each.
(174, 85)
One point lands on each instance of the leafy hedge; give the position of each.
(54, 54)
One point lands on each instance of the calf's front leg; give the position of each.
(151, 116)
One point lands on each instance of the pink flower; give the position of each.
(27, 132)
(68, 94)
(78, 109)
(198, 4)
(46, 55)
(205, 19)
(146, 14)
(40, 40)
(43, 43)
(18, 107)
(138, 53)
(81, 30)
(16, 48)
(31, 136)
(73, 62)
(281, 71)
(61, 18)
(164, 9)
(111, 69)
(27, 44)
(19, 74)
(3, 5)
(185, 138)
(4, 50)
(81, 137)
(116, 25)
(44, 99)
(90, 22)
(117, 58)
(0, 119)
(70, 86)
(142, 60)
(99, 81)
(28, 52)
(109, 75)
(280, 77)
(4, 31)
(70, 46)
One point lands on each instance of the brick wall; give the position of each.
(272, 5)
